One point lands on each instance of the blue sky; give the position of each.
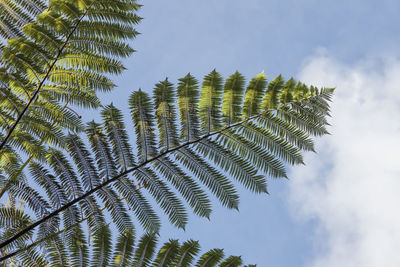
(311, 39)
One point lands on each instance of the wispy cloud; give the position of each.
(352, 186)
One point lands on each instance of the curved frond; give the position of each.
(167, 254)
(145, 251)
(210, 258)
(124, 249)
(225, 134)
(187, 253)
(57, 54)
(210, 102)
(232, 261)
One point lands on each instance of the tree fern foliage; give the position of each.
(127, 251)
(193, 140)
(55, 55)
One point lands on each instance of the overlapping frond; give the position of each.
(57, 54)
(224, 134)
(126, 251)
(174, 253)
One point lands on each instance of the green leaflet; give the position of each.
(124, 249)
(188, 97)
(145, 251)
(187, 253)
(167, 254)
(253, 95)
(141, 113)
(211, 258)
(164, 98)
(232, 261)
(233, 98)
(210, 101)
(102, 246)
(271, 98)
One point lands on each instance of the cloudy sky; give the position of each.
(341, 209)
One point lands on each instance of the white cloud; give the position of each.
(352, 186)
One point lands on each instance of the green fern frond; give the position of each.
(187, 253)
(167, 200)
(124, 249)
(210, 101)
(145, 250)
(56, 252)
(167, 254)
(188, 97)
(251, 139)
(216, 182)
(102, 247)
(232, 261)
(253, 96)
(117, 135)
(233, 98)
(210, 258)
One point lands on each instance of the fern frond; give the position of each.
(145, 250)
(101, 149)
(136, 202)
(232, 261)
(216, 182)
(102, 247)
(164, 99)
(56, 251)
(102, 46)
(83, 161)
(188, 96)
(167, 254)
(124, 249)
(271, 98)
(287, 131)
(116, 132)
(253, 96)
(249, 142)
(166, 118)
(167, 200)
(210, 101)
(32, 258)
(65, 172)
(93, 63)
(192, 193)
(233, 98)
(34, 200)
(187, 252)
(210, 258)
(268, 140)
(141, 113)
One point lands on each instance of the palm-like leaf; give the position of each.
(247, 142)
